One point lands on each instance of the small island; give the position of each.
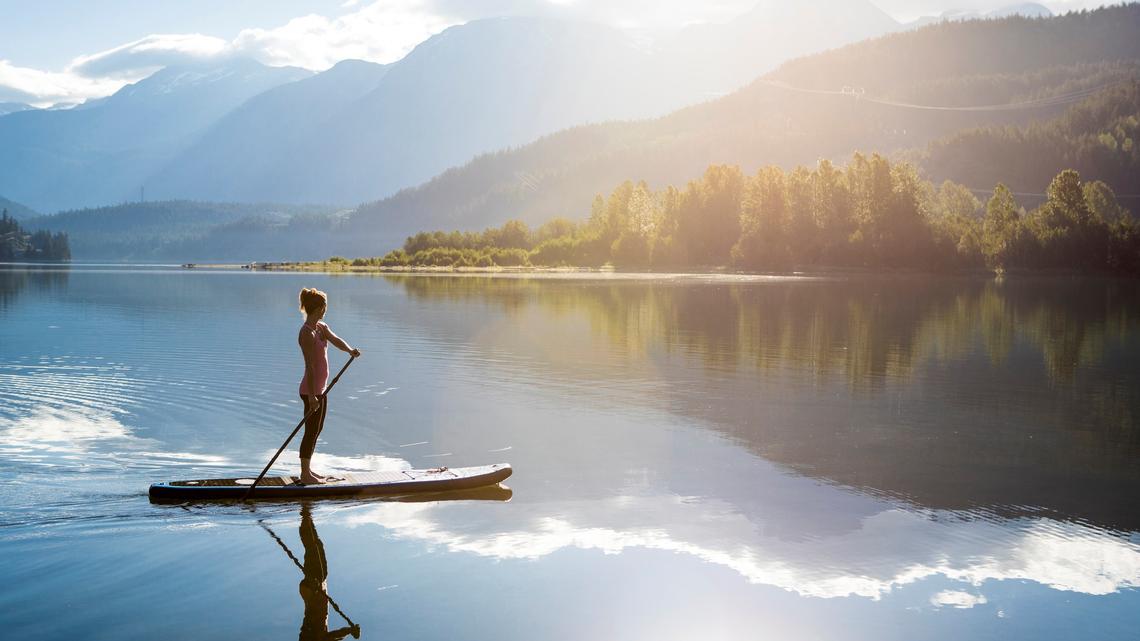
(16, 244)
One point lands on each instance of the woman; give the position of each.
(314, 338)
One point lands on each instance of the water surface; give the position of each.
(696, 457)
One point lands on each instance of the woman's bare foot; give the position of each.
(311, 479)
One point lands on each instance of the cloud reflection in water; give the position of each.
(888, 550)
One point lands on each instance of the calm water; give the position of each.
(696, 458)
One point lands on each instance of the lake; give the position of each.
(696, 457)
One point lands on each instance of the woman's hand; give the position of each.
(355, 353)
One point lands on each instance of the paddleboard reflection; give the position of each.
(314, 586)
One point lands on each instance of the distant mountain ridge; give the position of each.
(13, 107)
(501, 82)
(358, 132)
(1025, 9)
(187, 230)
(54, 159)
(17, 210)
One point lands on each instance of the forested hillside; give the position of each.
(876, 94)
(182, 230)
(1099, 137)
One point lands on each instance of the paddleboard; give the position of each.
(394, 483)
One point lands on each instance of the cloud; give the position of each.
(149, 53)
(382, 31)
(886, 552)
(44, 88)
(379, 32)
(957, 599)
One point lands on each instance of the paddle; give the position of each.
(297, 429)
(355, 631)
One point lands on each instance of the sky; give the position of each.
(66, 51)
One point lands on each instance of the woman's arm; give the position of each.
(338, 342)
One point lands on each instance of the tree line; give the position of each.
(870, 214)
(17, 244)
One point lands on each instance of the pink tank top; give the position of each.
(321, 364)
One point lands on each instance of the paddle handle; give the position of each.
(296, 429)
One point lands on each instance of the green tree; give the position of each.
(803, 230)
(514, 234)
(1001, 228)
(1102, 202)
(871, 185)
(1069, 232)
(763, 221)
(831, 208)
(955, 226)
(708, 215)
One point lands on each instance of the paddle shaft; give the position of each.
(297, 429)
(302, 569)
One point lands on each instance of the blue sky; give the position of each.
(70, 50)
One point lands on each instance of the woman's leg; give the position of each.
(313, 424)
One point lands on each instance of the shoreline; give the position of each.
(336, 267)
(697, 272)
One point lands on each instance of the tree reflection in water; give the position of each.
(15, 278)
(957, 394)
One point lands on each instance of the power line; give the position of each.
(1033, 195)
(1037, 103)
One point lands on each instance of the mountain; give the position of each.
(361, 131)
(483, 86)
(17, 210)
(56, 159)
(242, 157)
(12, 107)
(1025, 9)
(475, 87)
(718, 58)
(186, 230)
(870, 96)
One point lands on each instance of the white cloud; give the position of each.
(957, 599)
(379, 32)
(44, 88)
(149, 53)
(382, 31)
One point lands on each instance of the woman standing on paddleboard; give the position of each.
(314, 339)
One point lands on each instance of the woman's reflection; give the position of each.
(313, 588)
(315, 625)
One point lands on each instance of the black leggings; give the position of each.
(313, 425)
